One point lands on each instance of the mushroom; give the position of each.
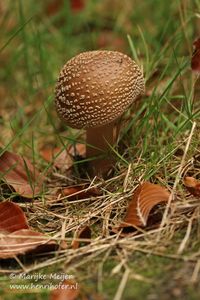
(93, 90)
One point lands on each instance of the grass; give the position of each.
(152, 144)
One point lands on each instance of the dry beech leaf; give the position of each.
(24, 241)
(63, 245)
(145, 197)
(61, 159)
(195, 62)
(77, 150)
(19, 173)
(83, 233)
(69, 290)
(193, 185)
(12, 217)
(77, 5)
(55, 6)
(107, 38)
(80, 192)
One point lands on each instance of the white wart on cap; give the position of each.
(94, 88)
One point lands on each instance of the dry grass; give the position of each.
(176, 239)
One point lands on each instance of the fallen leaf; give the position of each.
(63, 245)
(19, 173)
(80, 192)
(109, 39)
(195, 62)
(77, 150)
(77, 5)
(12, 217)
(56, 6)
(145, 197)
(24, 241)
(59, 158)
(95, 296)
(68, 290)
(53, 7)
(83, 233)
(49, 154)
(193, 185)
(15, 236)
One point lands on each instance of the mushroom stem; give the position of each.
(99, 141)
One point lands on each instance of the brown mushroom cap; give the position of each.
(96, 87)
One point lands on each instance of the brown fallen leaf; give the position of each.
(77, 5)
(145, 197)
(68, 290)
(79, 192)
(192, 185)
(12, 217)
(77, 150)
(108, 39)
(24, 241)
(19, 173)
(195, 61)
(59, 158)
(55, 6)
(83, 233)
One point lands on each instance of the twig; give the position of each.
(120, 290)
(125, 184)
(195, 273)
(186, 237)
